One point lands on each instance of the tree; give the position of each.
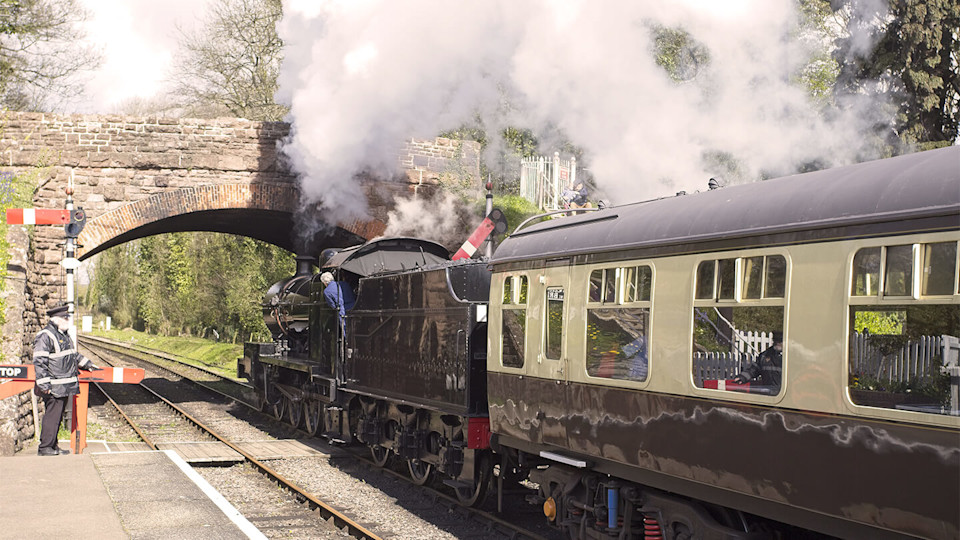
(915, 60)
(39, 53)
(230, 65)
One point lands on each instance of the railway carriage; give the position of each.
(616, 336)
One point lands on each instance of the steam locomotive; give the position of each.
(597, 356)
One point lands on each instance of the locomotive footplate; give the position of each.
(288, 362)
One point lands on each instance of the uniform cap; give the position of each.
(59, 311)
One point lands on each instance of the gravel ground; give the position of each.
(270, 509)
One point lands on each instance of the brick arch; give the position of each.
(260, 210)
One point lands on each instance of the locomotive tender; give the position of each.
(596, 355)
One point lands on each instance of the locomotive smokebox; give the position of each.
(285, 304)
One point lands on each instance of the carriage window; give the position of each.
(898, 272)
(596, 285)
(937, 264)
(752, 277)
(554, 335)
(775, 277)
(514, 333)
(514, 313)
(900, 357)
(866, 272)
(738, 348)
(726, 279)
(515, 290)
(939, 269)
(618, 328)
(705, 280)
(738, 335)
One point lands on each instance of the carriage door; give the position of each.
(552, 363)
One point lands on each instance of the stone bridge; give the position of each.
(136, 177)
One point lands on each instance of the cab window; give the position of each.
(738, 316)
(618, 322)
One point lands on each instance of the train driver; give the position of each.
(768, 369)
(338, 295)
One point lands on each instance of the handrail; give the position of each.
(531, 218)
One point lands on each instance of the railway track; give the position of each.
(211, 409)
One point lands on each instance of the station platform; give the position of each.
(110, 492)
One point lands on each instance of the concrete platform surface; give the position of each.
(117, 495)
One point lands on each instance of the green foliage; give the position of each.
(16, 190)
(189, 283)
(880, 322)
(232, 62)
(522, 141)
(218, 356)
(681, 56)
(41, 49)
(913, 62)
(516, 209)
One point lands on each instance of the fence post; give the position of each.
(573, 171)
(541, 170)
(555, 179)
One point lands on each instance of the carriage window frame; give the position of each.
(774, 272)
(632, 291)
(515, 296)
(881, 324)
(725, 280)
(919, 273)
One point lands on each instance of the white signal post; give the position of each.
(71, 249)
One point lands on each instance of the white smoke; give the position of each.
(362, 76)
(439, 219)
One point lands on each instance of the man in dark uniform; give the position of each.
(768, 369)
(56, 364)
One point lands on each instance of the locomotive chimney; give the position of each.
(304, 265)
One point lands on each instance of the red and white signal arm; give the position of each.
(37, 216)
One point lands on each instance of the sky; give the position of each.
(138, 39)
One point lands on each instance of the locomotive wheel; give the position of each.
(313, 416)
(380, 455)
(278, 409)
(420, 471)
(294, 412)
(478, 493)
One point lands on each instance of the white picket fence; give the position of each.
(870, 356)
(727, 365)
(543, 180)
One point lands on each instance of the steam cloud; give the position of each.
(362, 76)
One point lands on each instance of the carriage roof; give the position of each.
(913, 193)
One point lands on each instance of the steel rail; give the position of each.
(160, 354)
(117, 348)
(327, 512)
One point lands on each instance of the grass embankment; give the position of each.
(219, 357)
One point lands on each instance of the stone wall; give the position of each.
(16, 413)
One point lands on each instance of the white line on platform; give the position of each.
(216, 497)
